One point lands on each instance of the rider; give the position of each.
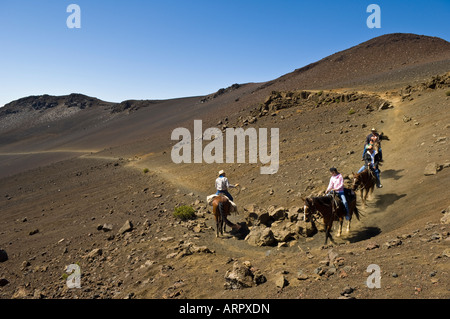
(337, 185)
(373, 138)
(222, 185)
(372, 160)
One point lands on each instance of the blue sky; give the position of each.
(141, 49)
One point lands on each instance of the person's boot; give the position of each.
(379, 185)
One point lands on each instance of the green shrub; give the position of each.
(319, 93)
(184, 212)
(447, 93)
(351, 111)
(146, 170)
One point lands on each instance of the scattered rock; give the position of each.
(3, 282)
(372, 246)
(301, 275)
(94, 253)
(281, 281)
(446, 253)
(347, 291)
(431, 169)
(384, 106)
(446, 218)
(3, 256)
(107, 227)
(393, 243)
(128, 226)
(441, 139)
(33, 232)
(20, 293)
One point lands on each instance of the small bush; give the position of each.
(351, 111)
(146, 170)
(184, 212)
(447, 93)
(319, 93)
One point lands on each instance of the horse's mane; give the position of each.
(324, 200)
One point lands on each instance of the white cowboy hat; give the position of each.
(221, 172)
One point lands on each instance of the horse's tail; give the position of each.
(357, 213)
(223, 215)
(221, 211)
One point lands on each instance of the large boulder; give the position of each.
(305, 229)
(283, 232)
(243, 276)
(258, 217)
(294, 212)
(278, 213)
(260, 236)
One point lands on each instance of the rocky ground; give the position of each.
(102, 212)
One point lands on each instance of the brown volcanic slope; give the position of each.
(103, 147)
(393, 58)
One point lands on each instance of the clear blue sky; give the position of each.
(140, 49)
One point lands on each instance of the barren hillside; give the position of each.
(93, 183)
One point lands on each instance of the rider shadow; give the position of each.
(392, 173)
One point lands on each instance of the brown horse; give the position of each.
(221, 209)
(330, 209)
(365, 181)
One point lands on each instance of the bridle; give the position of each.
(313, 209)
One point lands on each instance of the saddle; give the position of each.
(349, 195)
(210, 199)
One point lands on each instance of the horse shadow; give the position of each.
(363, 234)
(392, 174)
(383, 201)
(240, 233)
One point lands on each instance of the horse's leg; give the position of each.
(350, 219)
(327, 231)
(217, 225)
(328, 226)
(341, 221)
(352, 209)
(365, 197)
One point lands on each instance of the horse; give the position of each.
(221, 209)
(330, 209)
(365, 181)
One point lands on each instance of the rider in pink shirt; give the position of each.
(337, 185)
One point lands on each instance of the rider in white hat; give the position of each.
(222, 185)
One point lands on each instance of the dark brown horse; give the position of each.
(330, 209)
(365, 181)
(221, 209)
